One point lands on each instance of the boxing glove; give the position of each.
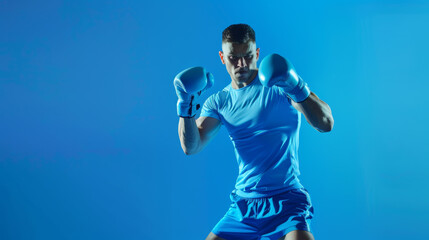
(190, 84)
(276, 70)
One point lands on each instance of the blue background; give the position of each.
(89, 147)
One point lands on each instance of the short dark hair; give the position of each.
(238, 33)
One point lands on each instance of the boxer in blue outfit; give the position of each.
(261, 109)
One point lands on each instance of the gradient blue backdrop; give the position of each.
(89, 147)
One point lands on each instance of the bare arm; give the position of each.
(196, 134)
(317, 112)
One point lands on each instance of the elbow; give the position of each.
(186, 151)
(189, 151)
(327, 121)
(324, 125)
(189, 148)
(328, 124)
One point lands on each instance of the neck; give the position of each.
(237, 85)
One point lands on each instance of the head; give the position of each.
(239, 52)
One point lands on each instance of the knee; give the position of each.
(213, 236)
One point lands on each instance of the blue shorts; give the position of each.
(266, 218)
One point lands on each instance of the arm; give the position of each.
(317, 112)
(196, 134)
(276, 70)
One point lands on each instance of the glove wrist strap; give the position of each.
(187, 109)
(300, 92)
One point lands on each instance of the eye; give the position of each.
(233, 58)
(249, 56)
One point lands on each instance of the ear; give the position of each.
(257, 54)
(221, 57)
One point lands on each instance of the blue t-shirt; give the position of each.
(264, 129)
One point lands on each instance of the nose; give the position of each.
(242, 62)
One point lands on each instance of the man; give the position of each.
(261, 109)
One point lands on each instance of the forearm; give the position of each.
(189, 135)
(317, 112)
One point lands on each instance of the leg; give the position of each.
(213, 236)
(298, 235)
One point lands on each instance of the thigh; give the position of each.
(291, 211)
(238, 223)
(298, 235)
(231, 228)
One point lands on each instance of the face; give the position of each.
(240, 60)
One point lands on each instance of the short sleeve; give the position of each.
(210, 108)
(283, 94)
(288, 99)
